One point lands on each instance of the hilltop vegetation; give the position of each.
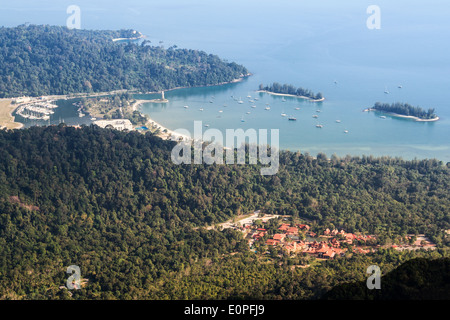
(45, 60)
(115, 204)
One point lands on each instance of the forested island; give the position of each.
(290, 90)
(40, 60)
(406, 110)
(115, 204)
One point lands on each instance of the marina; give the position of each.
(36, 110)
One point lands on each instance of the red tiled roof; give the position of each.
(279, 236)
(272, 242)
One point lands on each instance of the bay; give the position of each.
(323, 46)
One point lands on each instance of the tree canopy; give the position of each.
(43, 60)
(114, 203)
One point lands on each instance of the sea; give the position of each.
(355, 52)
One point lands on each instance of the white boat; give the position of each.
(386, 90)
(186, 107)
(283, 114)
(283, 100)
(253, 106)
(93, 119)
(201, 109)
(248, 112)
(383, 117)
(297, 108)
(206, 125)
(315, 116)
(267, 108)
(240, 101)
(338, 121)
(345, 131)
(319, 126)
(220, 111)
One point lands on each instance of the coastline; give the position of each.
(291, 95)
(6, 117)
(169, 134)
(208, 85)
(18, 125)
(402, 115)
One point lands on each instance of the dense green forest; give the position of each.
(405, 109)
(416, 279)
(114, 204)
(42, 60)
(290, 89)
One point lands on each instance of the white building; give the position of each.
(118, 124)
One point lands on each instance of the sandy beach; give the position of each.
(6, 117)
(165, 133)
(292, 95)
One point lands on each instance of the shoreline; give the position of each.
(169, 135)
(208, 85)
(88, 95)
(292, 95)
(6, 115)
(417, 119)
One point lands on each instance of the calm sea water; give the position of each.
(324, 46)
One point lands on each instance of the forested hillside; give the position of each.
(115, 204)
(43, 60)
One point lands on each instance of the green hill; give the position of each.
(115, 204)
(43, 60)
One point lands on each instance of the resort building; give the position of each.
(118, 124)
